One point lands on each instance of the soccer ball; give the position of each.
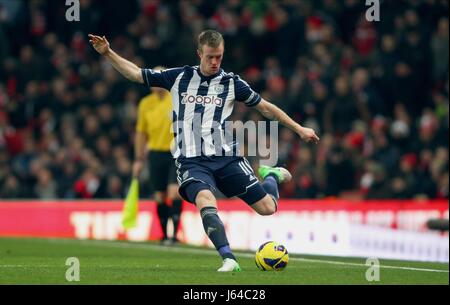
(271, 256)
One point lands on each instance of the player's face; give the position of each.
(210, 59)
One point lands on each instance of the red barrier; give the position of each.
(101, 219)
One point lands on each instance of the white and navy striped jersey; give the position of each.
(201, 107)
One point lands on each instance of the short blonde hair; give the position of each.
(210, 38)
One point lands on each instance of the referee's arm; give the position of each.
(140, 141)
(125, 67)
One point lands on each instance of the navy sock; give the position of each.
(270, 185)
(216, 231)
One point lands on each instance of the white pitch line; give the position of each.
(12, 266)
(26, 266)
(213, 252)
(364, 265)
(53, 266)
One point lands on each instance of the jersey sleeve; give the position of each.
(141, 123)
(243, 93)
(163, 79)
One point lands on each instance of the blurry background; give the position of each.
(376, 92)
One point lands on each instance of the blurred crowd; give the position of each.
(377, 93)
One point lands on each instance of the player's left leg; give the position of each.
(272, 176)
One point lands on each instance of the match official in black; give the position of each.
(153, 134)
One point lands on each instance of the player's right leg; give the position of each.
(238, 179)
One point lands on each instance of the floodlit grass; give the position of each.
(43, 261)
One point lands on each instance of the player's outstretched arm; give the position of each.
(272, 112)
(125, 67)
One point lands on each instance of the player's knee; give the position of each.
(269, 209)
(266, 207)
(205, 197)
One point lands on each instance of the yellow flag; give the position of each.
(130, 207)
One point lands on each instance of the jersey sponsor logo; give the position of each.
(200, 99)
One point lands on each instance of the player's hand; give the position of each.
(308, 135)
(100, 44)
(138, 166)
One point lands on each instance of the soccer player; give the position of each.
(203, 97)
(153, 131)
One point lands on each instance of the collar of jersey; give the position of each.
(203, 77)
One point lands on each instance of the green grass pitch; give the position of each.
(43, 261)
